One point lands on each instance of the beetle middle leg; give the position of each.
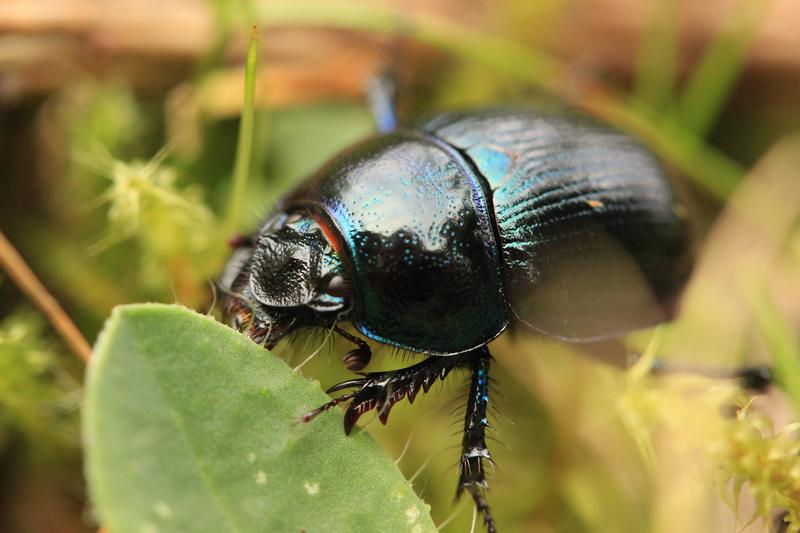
(381, 390)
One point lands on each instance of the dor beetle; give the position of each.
(436, 238)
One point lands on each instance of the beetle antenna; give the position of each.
(355, 360)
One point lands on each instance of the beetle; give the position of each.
(435, 238)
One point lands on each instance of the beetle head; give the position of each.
(286, 276)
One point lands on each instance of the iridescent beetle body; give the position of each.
(436, 238)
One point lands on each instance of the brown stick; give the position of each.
(19, 271)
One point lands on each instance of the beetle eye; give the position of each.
(338, 286)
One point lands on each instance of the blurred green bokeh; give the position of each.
(131, 202)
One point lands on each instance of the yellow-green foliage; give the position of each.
(721, 435)
(767, 460)
(38, 397)
(177, 234)
(590, 447)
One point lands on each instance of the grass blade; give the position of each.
(244, 148)
(717, 71)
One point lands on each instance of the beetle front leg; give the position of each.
(472, 475)
(381, 390)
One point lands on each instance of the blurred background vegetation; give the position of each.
(118, 129)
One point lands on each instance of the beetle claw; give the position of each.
(349, 384)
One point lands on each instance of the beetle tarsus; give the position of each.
(472, 474)
(477, 492)
(756, 378)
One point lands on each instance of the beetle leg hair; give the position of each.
(472, 475)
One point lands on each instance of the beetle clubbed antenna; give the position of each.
(357, 359)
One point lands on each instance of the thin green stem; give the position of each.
(658, 54)
(713, 78)
(244, 148)
(781, 340)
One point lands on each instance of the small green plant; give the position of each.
(179, 237)
(39, 398)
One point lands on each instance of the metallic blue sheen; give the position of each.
(449, 231)
(417, 234)
(594, 240)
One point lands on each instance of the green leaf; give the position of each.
(189, 426)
